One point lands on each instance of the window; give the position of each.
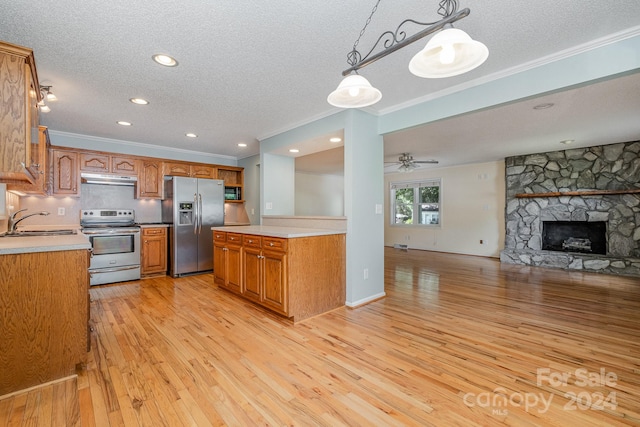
(415, 202)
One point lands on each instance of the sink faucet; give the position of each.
(13, 223)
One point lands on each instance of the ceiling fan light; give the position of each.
(51, 97)
(450, 52)
(354, 91)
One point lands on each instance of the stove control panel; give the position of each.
(107, 215)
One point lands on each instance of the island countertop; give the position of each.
(278, 231)
(21, 245)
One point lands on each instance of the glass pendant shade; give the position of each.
(354, 91)
(450, 52)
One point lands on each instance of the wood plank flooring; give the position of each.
(458, 340)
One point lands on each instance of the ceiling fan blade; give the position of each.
(433, 162)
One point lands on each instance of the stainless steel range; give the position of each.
(115, 245)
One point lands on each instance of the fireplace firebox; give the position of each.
(575, 236)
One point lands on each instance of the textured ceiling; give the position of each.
(250, 69)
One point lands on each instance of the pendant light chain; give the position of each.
(354, 56)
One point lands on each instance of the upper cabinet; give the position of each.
(150, 179)
(65, 180)
(233, 178)
(106, 163)
(193, 170)
(19, 134)
(39, 186)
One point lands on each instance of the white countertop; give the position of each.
(21, 245)
(277, 231)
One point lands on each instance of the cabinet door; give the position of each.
(274, 275)
(202, 171)
(16, 81)
(39, 187)
(252, 279)
(65, 173)
(94, 162)
(150, 180)
(175, 169)
(154, 250)
(35, 161)
(124, 165)
(234, 268)
(219, 263)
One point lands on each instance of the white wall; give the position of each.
(277, 184)
(319, 195)
(251, 195)
(472, 209)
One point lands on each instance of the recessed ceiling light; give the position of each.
(123, 123)
(191, 135)
(242, 144)
(294, 150)
(567, 141)
(165, 60)
(335, 139)
(139, 101)
(544, 106)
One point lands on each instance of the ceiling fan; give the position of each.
(407, 164)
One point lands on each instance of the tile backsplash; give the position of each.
(94, 196)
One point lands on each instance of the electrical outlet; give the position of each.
(366, 273)
(481, 242)
(269, 205)
(61, 211)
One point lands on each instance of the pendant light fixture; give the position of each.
(449, 53)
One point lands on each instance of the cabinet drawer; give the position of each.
(274, 243)
(234, 238)
(161, 231)
(219, 236)
(252, 241)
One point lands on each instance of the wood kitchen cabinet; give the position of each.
(153, 252)
(264, 271)
(295, 277)
(44, 308)
(65, 179)
(227, 261)
(19, 134)
(233, 178)
(108, 164)
(150, 184)
(40, 185)
(193, 170)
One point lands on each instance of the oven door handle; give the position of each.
(114, 233)
(112, 270)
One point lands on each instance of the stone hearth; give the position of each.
(532, 180)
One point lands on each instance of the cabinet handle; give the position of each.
(270, 243)
(250, 241)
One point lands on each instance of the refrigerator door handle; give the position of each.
(200, 213)
(196, 213)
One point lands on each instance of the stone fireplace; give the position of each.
(575, 209)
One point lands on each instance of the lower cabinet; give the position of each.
(226, 260)
(44, 309)
(153, 252)
(295, 277)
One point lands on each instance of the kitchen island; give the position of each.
(296, 272)
(44, 309)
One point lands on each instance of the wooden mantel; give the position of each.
(577, 193)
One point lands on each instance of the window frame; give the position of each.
(416, 185)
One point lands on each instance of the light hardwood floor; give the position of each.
(458, 340)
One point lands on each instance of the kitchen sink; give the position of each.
(34, 233)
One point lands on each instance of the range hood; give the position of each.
(97, 178)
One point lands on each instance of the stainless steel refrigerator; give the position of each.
(192, 206)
